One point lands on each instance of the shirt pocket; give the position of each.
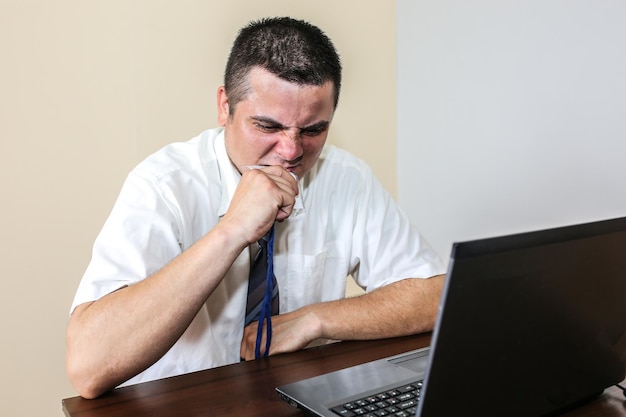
(306, 279)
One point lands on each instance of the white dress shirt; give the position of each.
(349, 225)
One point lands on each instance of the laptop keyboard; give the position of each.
(398, 402)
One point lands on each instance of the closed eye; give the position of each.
(314, 130)
(267, 128)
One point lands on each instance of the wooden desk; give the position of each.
(247, 388)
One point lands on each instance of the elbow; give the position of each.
(88, 392)
(85, 382)
(83, 373)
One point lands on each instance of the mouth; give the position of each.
(290, 168)
(295, 164)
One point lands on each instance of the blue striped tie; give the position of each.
(262, 291)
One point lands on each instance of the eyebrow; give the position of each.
(323, 124)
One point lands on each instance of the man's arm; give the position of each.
(120, 335)
(113, 339)
(402, 308)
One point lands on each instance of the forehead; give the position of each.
(289, 103)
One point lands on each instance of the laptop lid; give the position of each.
(530, 323)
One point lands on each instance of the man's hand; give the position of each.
(263, 196)
(290, 332)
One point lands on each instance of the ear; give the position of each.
(222, 106)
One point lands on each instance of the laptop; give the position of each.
(528, 325)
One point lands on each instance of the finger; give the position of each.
(288, 190)
(247, 342)
(281, 175)
(281, 189)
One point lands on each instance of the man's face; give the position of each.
(278, 123)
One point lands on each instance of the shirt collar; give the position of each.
(229, 175)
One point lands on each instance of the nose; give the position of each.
(289, 147)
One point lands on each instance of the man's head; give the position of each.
(281, 88)
(293, 50)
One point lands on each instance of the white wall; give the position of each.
(512, 115)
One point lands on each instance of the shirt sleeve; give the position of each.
(139, 237)
(391, 247)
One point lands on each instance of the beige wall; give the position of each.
(87, 90)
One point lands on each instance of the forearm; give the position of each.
(402, 308)
(120, 335)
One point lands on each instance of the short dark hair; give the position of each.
(293, 50)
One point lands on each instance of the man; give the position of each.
(165, 292)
